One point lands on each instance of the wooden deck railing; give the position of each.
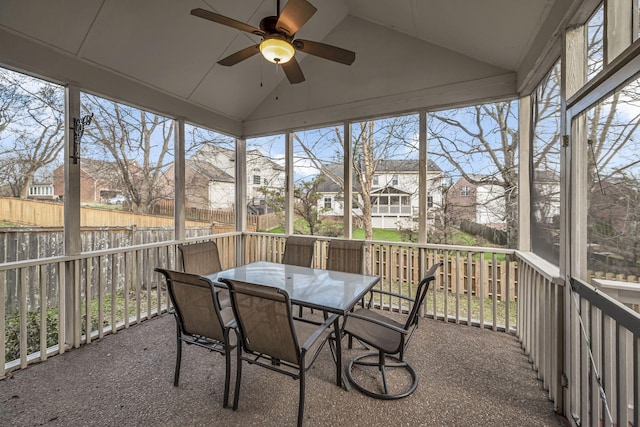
(590, 366)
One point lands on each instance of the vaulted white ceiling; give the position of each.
(410, 54)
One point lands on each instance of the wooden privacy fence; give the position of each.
(51, 214)
(401, 265)
(219, 216)
(398, 265)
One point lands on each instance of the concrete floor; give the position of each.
(468, 377)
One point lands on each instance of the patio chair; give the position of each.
(203, 258)
(270, 337)
(200, 258)
(346, 256)
(200, 320)
(389, 338)
(299, 250)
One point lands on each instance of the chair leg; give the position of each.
(338, 340)
(301, 399)
(382, 365)
(176, 375)
(227, 375)
(236, 393)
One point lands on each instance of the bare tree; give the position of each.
(481, 143)
(31, 129)
(306, 198)
(136, 145)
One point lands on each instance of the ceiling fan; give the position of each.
(278, 44)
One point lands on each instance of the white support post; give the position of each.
(423, 179)
(574, 76)
(525, 174)
(348, 182)
(289, 200)
(618, 27)
(179, 180)
(241, 196)
(72, 239)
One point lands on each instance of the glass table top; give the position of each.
(332, 291)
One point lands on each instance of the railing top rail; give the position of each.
(124, 249)
(548, 270)
(622, 314)
(433, 246)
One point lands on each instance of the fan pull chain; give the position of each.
(277, 81)
(260, 73)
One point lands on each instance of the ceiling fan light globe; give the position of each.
(277, 51)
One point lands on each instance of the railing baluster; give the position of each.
(3, 315)
(41, 272)
(101, 284)
(22, 306)
(469, 286)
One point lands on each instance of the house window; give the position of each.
(429, 201)
(376, 180)
(465, 191)
(327, 202)
(265, 181)
(256, 177)
(394, 180)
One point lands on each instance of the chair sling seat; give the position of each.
(373, 334)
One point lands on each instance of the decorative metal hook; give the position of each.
(78, 131)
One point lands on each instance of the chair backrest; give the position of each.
(197, 308)
(200, 258)
(346, 256)
(421, 293)
(299, 250)
(263, 314)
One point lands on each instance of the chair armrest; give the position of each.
(377, 322)
(319, 331)
(391, 294)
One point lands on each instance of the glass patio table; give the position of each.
(326, 290)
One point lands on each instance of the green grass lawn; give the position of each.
(358, 233)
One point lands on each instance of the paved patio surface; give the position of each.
(468, 377)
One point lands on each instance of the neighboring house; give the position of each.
(210, 178)
(99, 180)
(394, 194)
(41, 189)
(482, 203)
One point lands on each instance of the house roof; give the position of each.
(209, 150)
(410, 55)
(389, 190)
(209, 170)
(100, 169)
(383, 166)
(408, 165)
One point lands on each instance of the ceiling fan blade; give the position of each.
(240, 55)
(211, 16)
(294, 15)
(293, 71)
(325, 51)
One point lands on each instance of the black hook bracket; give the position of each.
(78, 131)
